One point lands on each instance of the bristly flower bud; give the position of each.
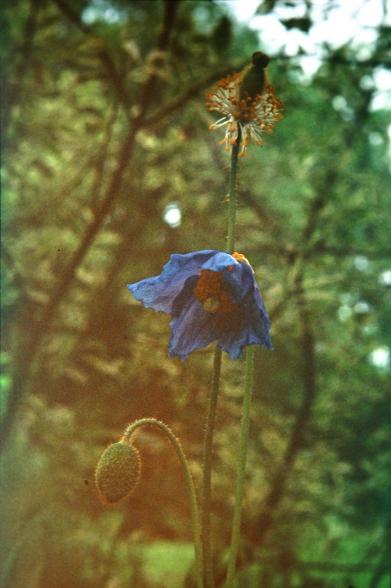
(117, 472)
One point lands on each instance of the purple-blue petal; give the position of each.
(254, 325)
(241, 280)
(219, 261)
(191, 330)
(160, 292)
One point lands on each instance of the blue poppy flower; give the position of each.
(211, 296)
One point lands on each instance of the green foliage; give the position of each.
(105, 127)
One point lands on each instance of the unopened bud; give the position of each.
(117, 472)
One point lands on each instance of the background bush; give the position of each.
(104, 127)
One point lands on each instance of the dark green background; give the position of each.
(105, 125)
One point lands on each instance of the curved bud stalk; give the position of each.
(118, 472)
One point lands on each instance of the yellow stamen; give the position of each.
(211, 304)
(240, 257)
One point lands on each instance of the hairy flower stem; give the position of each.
(189, 483)
(207, 474)
(214, 392)
(232, 195)
(244, 434)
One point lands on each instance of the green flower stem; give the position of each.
(232, 195)
(207, 474)
(189, 482)
(212, 405)
(244, 433)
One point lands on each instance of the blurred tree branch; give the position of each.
(31, 343)
(15, 275)
(103, 54)
(190, 93)
(100, 162)
(276, 492)
(297, 436)
(11, 98)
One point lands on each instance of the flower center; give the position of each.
(212, 292)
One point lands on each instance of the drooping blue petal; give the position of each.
(219, 262)
(191, 330)
(232, 335)
(194, 328)
(185, 296)
(159, 292)
(253, 328)
(241, 281)
(262, 326)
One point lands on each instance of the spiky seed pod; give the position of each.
(254, 80)
(247, 103)
(117, 472)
